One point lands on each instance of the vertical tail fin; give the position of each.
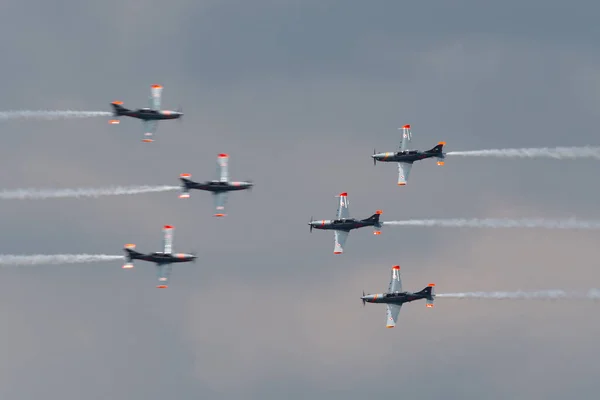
(185, 192)
(118, 110)
(129, 256)
(438, 150)
(430, 292)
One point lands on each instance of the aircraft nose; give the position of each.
(368, 297)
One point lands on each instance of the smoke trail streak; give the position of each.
(571, 223)
(36, 259)
(52, 114)
(36, 194)
(559, 153)
(592, 294)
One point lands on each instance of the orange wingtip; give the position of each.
(118, 102)
(185, 175)
(343, 194)
(168, 227)
(401, 184)
(429, 305)
(377, 233)
(406, 126)
(396, 267)
(431, 284)
(440, 163)
(114, 122)
(155, 86)
(223, 155)
(184, 196)
(379, 212)
(389, 326)
(219, 215)
(147, 140)
(127, 266)
(130, 246)
(161, 286)
(337, 252)
(442, 143)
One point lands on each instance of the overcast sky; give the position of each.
(299, 93)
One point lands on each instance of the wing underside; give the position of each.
(163, 272)
(340, 241)
(395, 280)
(406, 137)
(220, 201)
(223, 167)
(155, 96)
(392, 315)
(343, 210)
(168, 239)
(403, 172)
(149, 130)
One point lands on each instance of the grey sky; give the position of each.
(299, 93)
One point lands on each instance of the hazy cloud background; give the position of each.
(299, 93)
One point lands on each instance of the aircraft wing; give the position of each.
(168, 239)
(403, 172)
(343, 211)
(392, 315)
(223, 167)
(149, 130)
(340, 240)
(220, 201)
(155, 95)
(163, 272)
(395, 280)
(406, 137)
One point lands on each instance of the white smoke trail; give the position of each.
(592, 294)
(52, 114)
(571, 223)
(35, 194)
(36, 259)
(558, 153)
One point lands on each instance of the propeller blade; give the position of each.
(310, 223)
(374, 160)
(363, 298)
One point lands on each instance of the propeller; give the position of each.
(310, 223)
(195, 254)
(363, 298)
(180, 110)
(374, 160)
(251, 184)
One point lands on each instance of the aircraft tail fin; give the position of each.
(438, 150)
(185, 190)
(429, 294)
(118, 110)
(375, 220)
(130, 255)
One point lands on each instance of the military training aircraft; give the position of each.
(343, 224)
(219, 187)
(163, 260)
(405, 158)
(395, 297)
(149, 116)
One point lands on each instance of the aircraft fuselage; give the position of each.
(159, 257)
(342, 224)
(408, 156)
(147, 114)
(216, 186)
(394, 298)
